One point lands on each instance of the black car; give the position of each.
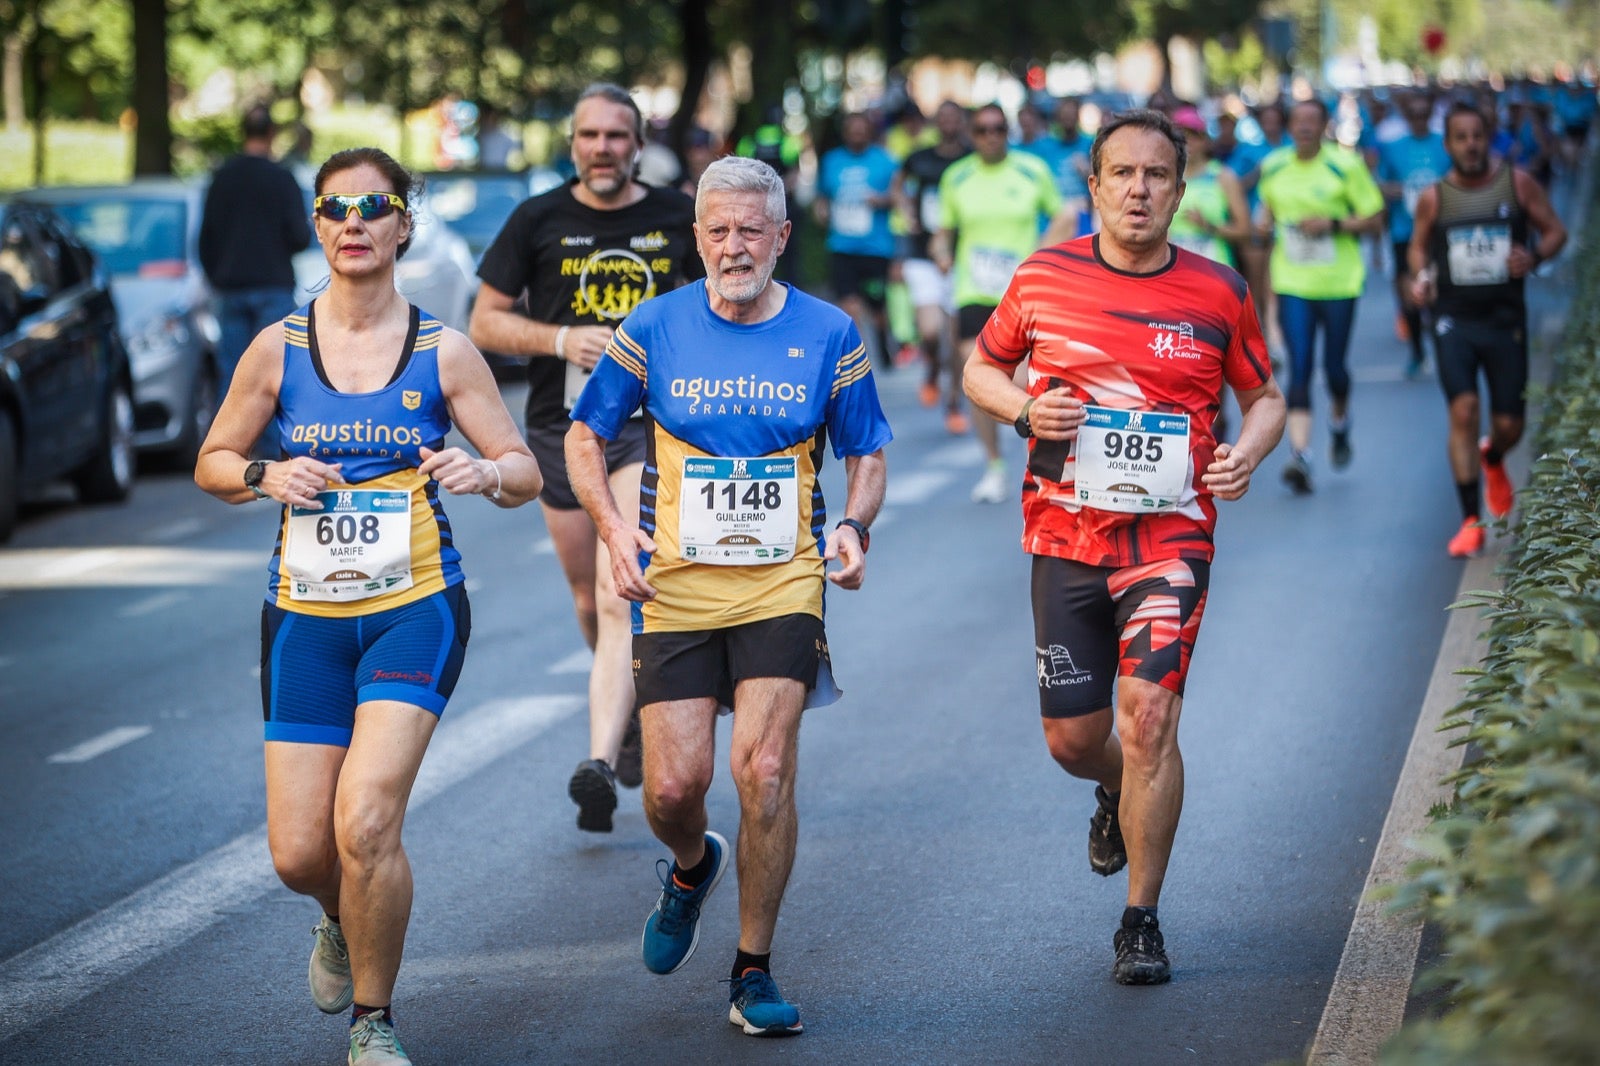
(66, 393)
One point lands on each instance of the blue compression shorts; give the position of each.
(315, 671)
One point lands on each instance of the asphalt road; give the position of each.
(941, 908)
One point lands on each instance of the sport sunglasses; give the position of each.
(336, 207)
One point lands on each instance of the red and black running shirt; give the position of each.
(1163, 342)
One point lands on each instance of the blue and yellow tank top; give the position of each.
(381, 539)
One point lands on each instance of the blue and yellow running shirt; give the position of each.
(382, 539)
(738, 416)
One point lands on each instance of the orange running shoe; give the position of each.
(956, 424)
(1497, 490)
(928, 394)
(1468, 541)
(1402, 329)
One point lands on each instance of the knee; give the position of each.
(368, 833)
(305, 865)
(763, 783)
(1148, 728)
(675, 795)
(1077, 749)
(1464, 411)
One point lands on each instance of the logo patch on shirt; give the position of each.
(1174, 341)
(578, 242)
(410, 399)
(797, 353)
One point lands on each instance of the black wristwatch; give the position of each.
(861, 532)
(1024, 427)
(253, 475)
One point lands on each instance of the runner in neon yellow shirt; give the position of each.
(990, 203)
(1319, 198)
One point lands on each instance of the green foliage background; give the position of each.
(1512, 874)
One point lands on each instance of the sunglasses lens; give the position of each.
(337, 208)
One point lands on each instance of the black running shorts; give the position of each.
(548, 445)
(1093, 624)
(1501, 351)
(710, 662)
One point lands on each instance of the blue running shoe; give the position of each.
(673, 928)
(760, 1007)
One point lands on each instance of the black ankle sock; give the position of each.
(1468, 494)
(362, 1008)
(744, 960)
(1133, 917)
(696, 875)
(1493, 456)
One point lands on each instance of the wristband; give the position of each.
(495, 495)
(861, 532)
(561, 342)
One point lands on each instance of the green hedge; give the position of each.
(1512, 872)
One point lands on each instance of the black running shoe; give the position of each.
(593, 788)
(1107, 853)
(1340, 452)
(1297, 475)
(1141, 955)
(630, 760)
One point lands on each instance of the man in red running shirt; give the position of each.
(1129, 340)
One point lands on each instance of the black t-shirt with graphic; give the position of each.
(572, 265)
(923, 169)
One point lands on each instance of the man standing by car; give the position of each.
(253, 223)
(586, 254)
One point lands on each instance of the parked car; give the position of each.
(436, 274)
(147, 235)
(66, 392)
(476, 203)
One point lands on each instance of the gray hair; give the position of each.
(616, 94)
(735, 173)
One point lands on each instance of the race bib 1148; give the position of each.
(739, 512)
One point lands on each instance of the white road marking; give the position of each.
(176, 531)
(960, 454)
(151, 604)
(579, 662)
(47, 568)
(74, 964)
(96, 746)
(543, 546)
(917, 487)
(1367, 1002)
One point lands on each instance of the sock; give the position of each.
(1134, 917)
(362, 1008)
(1493, 456)
(1469, 498)
(744, 960)
(696, 875)
(1304, 455)
(1339, 426)
(1414, 323)
(997, 464)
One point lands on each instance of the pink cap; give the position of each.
(1188, 118)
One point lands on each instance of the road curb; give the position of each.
(1367, 1002)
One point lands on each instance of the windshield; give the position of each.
(476, 208)
(143, 237)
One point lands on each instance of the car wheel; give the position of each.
(202, 409)
(9, 486)
(108, 476)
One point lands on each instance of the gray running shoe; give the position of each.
(594, 789)
(1341, 451)
(373, 1043)
(630, 760)
(331, 988)
(1107, 852)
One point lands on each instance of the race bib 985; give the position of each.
(1132, 461)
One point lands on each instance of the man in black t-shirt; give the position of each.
(253, 222)
(568, 266)
(916, 193)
